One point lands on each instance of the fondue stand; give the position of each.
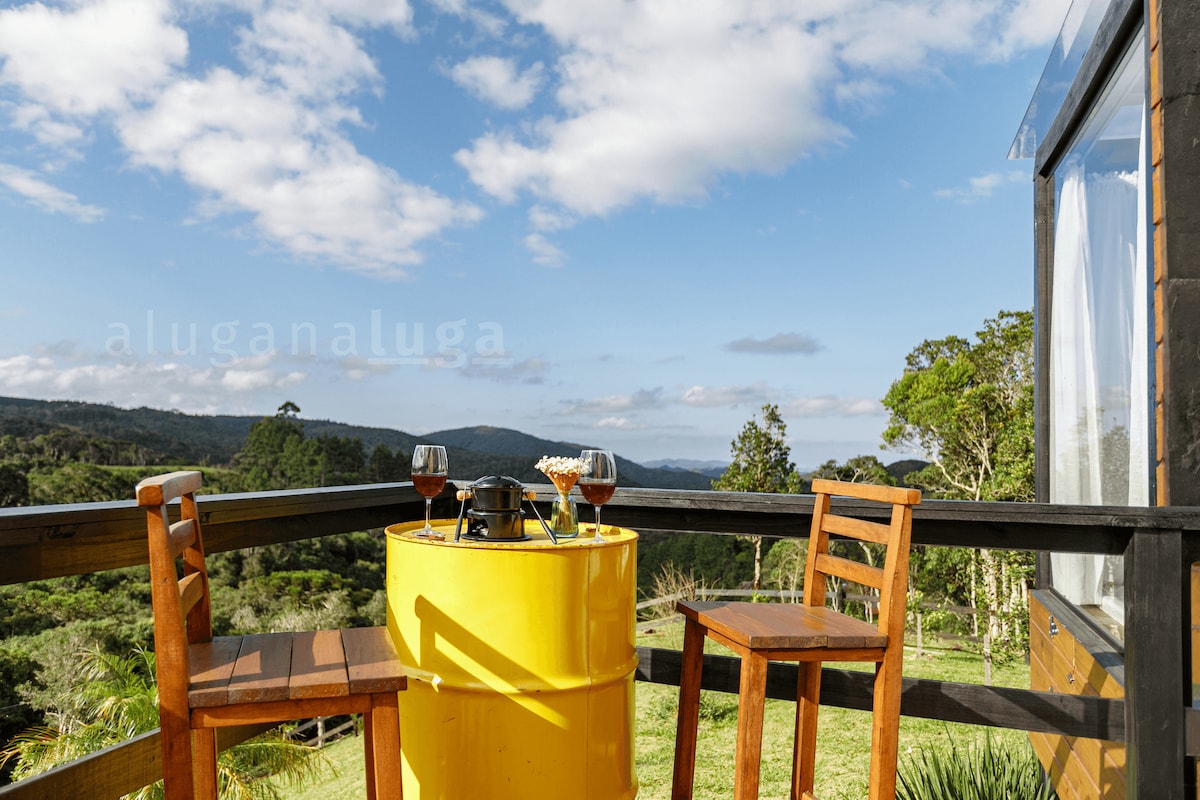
(520, 661)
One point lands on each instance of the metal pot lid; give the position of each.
(497, 482)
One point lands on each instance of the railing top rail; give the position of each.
(47, 541)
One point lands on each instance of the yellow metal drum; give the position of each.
(520, 660)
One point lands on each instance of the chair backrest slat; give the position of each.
(191, 592)
(853, 571)
(868, 491)
(861, 529)
(181, 536)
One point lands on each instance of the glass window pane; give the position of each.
(1099, 338)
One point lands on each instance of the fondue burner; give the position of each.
(495, 525)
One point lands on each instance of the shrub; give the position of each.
(979, 771)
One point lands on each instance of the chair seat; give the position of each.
(273, 667)
(783, 626)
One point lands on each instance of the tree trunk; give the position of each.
(757, 563)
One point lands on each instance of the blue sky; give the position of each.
(628, 223)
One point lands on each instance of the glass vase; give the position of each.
(564, 517)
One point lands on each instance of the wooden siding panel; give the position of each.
(1079, 768)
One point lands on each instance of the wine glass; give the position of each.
(429, 471)
(598, 481)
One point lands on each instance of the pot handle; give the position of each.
(462, 495)
(549, 531)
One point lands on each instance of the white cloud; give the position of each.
(780, 343)
(133, 382)
(265, 138)
(545, 219)
(43, 195)
(489, 23)
(657, 100)
(656, 103)
(619, 423)
(983, 186)
(95, 57)
(1031, 23)
(613, 403)
(830, 406)
(497, 81)
(502, 368)
(544, 251)
(712, 396)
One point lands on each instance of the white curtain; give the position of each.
(1099, 370)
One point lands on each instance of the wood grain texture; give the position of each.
(318, 667)
(688, 719)
(371, 661)
(261, 673)
(860, 529)
(782, 626)
(191, 591)
(751, 707)
(163, 488)
(211, 666)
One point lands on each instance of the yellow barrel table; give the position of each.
(520, 660)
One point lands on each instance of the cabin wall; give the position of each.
(1173, 91)
(1070, 658)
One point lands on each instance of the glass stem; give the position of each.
(428, 503)
(597, 520)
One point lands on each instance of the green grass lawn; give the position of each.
(843, 746)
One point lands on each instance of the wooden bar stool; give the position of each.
(207, 682)
(807, 633)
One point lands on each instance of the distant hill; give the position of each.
(898, 469)
(204, 439)
(709, 469)
(181, 437)
(525, 450)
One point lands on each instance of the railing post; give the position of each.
(1157, 681)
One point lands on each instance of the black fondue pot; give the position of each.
(495, 513)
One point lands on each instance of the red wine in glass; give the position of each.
(598, 481)
(429, 471)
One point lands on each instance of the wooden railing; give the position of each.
(1160, 730)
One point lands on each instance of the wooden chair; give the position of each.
(205, 683)
(807, 633)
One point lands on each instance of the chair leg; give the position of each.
(752, 696)
(369, 753)
(808, 702)
(381, 730)
(885, 727)
(204, 761)
(689, 711)
(177, 767)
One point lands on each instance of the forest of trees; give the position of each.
(965, 406)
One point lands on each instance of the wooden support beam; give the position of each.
(1158, 680)
(1019, 709)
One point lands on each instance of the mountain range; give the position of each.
(174, 436)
